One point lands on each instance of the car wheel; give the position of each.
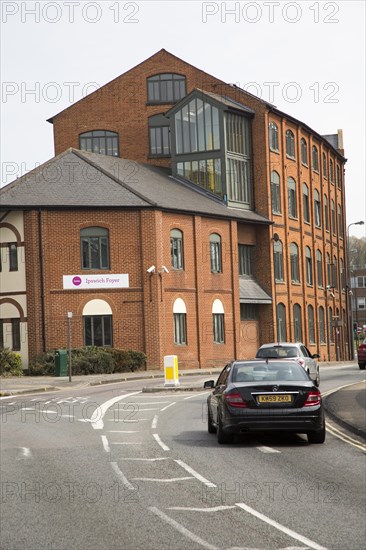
(222, 437)
(362, 366)
(317, 437)
(210, 427)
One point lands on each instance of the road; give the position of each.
(113, 468)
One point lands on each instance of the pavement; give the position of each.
(347, 406)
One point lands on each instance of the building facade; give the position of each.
(237, 206)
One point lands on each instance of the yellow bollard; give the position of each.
(171, 370)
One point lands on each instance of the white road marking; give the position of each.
(167, 407)
(265, 449)
(344, 437)
(280, 527)
(159, 441)
(125, 443)
(148, 459)
(26, 453)
(154, 403)
(105, 444)
(153, 409)
(122, 477)
(98, 414)
(195, 474)
(214, 509)
(196, 395)
(168, 480)
(181, 529)
(125, 420)
(123, 431)
(154, 422)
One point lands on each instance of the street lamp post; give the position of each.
(349, 297)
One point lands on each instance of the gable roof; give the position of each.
(220, 100)
(79, 179)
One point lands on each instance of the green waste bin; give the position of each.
(61, 362)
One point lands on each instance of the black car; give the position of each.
(263, 396)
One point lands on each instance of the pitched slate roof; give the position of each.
(80, 179)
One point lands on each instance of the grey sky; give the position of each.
(308, 58)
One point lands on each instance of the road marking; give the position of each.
(167, 407)
(26, 453)
(280, 527)
(194, 473)
(154, 422)
(196, 395)
(105, 444)
(182, 529)
(168, 480)
(126, 443)
(125, 420)
(154, 403)
(265, 449)
(122, 477)
(98, 414)
(153, 409)
(148, 459)
(159, 441)
(345, 438)
(214, 509)
(123, 431)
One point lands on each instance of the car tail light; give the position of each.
(313, 398)
(234, 399)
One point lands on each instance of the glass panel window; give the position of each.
(166, 88)
(94, 248)
(13, 257)
(290, 144)
(248, 312)
(304, 152)
(317, 209)
(311, 324)
(176, 248)
(322, 325)
(15, 331)
(305, 202)
(275, 193)
(294, 261)
(297, 323)
(273, 136)
(326, 213)
(102, 142)
(340, 222)
(238, 180)
(334, 273)
(159, 141)
(281, 323)
(315, 158)
(329, 270)
(218, 328)
(180, 328)
(215, 253)
(97, 330)
(292, 206)
(308, 266)
(334, 225)
(278, 261)
(339, 179)
(331, 170)
(319, 268)
(246, 259)
(325, 166)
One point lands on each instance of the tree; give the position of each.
(357, 252)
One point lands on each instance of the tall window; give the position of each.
(197, 127)
(13, 257)
(275, 193)
(291, 189)
(317, 209)
(248, 312)
(315, 159)
(326, 213)
(273, 136)
(334, 225)
(304, 152)
(297, 323)
(335, 272)
(311, 324)
(281, 323)
(331, 170)
(238, 147)
(290, 144)
(278, 261)
(329, 270)
(340, 222)
(97, 330)
(176, 249)
(15, 331)
(100, 141)
(305, 202)
(322, 325)
(166, 88)
(325, 166)
(218, 322)
(343, 275)
(215, 253)
(180, 322)
(308, 266)
(94, 248)
(246, 259)
(159, 136)
(294, 260)
(339, 179)
(330, 324)
(319, 268)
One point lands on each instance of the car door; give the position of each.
(310, 363)
(216, 396)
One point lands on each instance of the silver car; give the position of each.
(290, 350)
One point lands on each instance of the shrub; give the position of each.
(42, 365)
(10, 363)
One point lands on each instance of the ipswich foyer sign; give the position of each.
(76, 282)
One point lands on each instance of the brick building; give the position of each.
(224, 229)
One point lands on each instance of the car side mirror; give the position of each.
(316, 356)
(209, 384)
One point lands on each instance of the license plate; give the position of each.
(274, 398)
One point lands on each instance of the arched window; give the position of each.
(305, 202)
(97, 323)
(273, 136)
(331, 170)
(100, 141)
(215, 253)
(278, 261)
(319, 268)
(291, 190)
(334, 225)
(218, 322)
(308, 266)
(311, 324)
(176, 249)
(294, 261)
(281, 323)
(315, 158)
(290, 144)
(180, 322)
(166, 88)
(159, 136)
(321, 325)
(94, 244)
(275, 193)
(317, 209)
(304, 152)
(325, 166)
(297, 323)
(326, 213)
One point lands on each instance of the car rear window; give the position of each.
(278, 353)
(268, 372)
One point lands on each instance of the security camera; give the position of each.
(151, 269)
(164, 269)
(332, 294)
(328, 287)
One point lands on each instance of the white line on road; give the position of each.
(148, 459)
(265, 449)
(125, 420)
(126, 443)
(105, 444)
(194, 473)
(168, 480)
(26, 453)
(122, 477)
(214, 509)
(167, 407)
(344, 437)
(154, 422)
(280, 527)
(182, 530)
(159, 441)
(196, 395)
(98, 414)
(123, 431)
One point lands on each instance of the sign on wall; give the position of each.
(76, 282)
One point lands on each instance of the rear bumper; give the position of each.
(308, 421)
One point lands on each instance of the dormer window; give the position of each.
(166, 88)
(102, 142)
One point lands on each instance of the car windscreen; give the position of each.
(268, 372)
(278, 352)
